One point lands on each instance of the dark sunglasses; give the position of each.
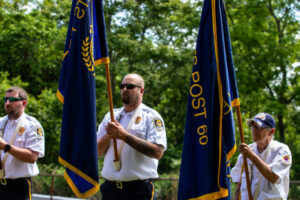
(128, 86)
(12, 99)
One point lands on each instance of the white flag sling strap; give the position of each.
(12, 139)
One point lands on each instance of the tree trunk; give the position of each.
(280, 128)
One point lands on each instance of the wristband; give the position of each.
(6, 148)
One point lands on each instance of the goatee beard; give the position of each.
(125, 101)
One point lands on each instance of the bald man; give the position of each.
(141, 141)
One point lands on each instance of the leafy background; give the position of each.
(156, 38)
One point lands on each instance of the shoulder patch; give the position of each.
(40, 133)
(286, 159)
(159, 125)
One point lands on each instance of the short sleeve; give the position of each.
(101, 129)
(35, 138)
(280, 165)
(156, 131)
(282, 162)
(236, 171)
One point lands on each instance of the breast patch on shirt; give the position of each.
(138, 119)
(21, 130)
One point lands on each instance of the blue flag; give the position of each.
(209, 138)
(85, 47)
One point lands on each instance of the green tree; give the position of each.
(5, 83)
(46, 109)
(155, 39)
(31, 46)
(265, 46)
(265, 39)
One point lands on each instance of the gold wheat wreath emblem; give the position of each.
(87, 53)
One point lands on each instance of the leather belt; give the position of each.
(6, 181)
(126, 184)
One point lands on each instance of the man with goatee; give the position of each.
(141, 141)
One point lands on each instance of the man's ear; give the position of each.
(24, 103)
(272, 131)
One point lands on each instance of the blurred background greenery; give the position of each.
(156, 38)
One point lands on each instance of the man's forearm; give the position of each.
(24, 155)
(237, 191)
(103, 145)
(144, 147)
(264, 169)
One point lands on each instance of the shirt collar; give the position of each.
(262, 153)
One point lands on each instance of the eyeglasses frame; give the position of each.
(12, 99)
(128, 86)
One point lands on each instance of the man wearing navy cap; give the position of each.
(269, 163)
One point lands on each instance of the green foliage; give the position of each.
(166, 189)
(263, 35)
(294, 193)
(48, 110)
(45, 183)
(161, 50)
(265, 45)
(31, 47)
(156, 38)
(6, 83)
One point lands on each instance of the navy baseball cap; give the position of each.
(262, 120)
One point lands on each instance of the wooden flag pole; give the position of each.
(111, 111)
(239, 116)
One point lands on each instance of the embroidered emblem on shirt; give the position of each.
(138, 119)
(21, 130)
(158, 124)
(40, 133)
(286, 158)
